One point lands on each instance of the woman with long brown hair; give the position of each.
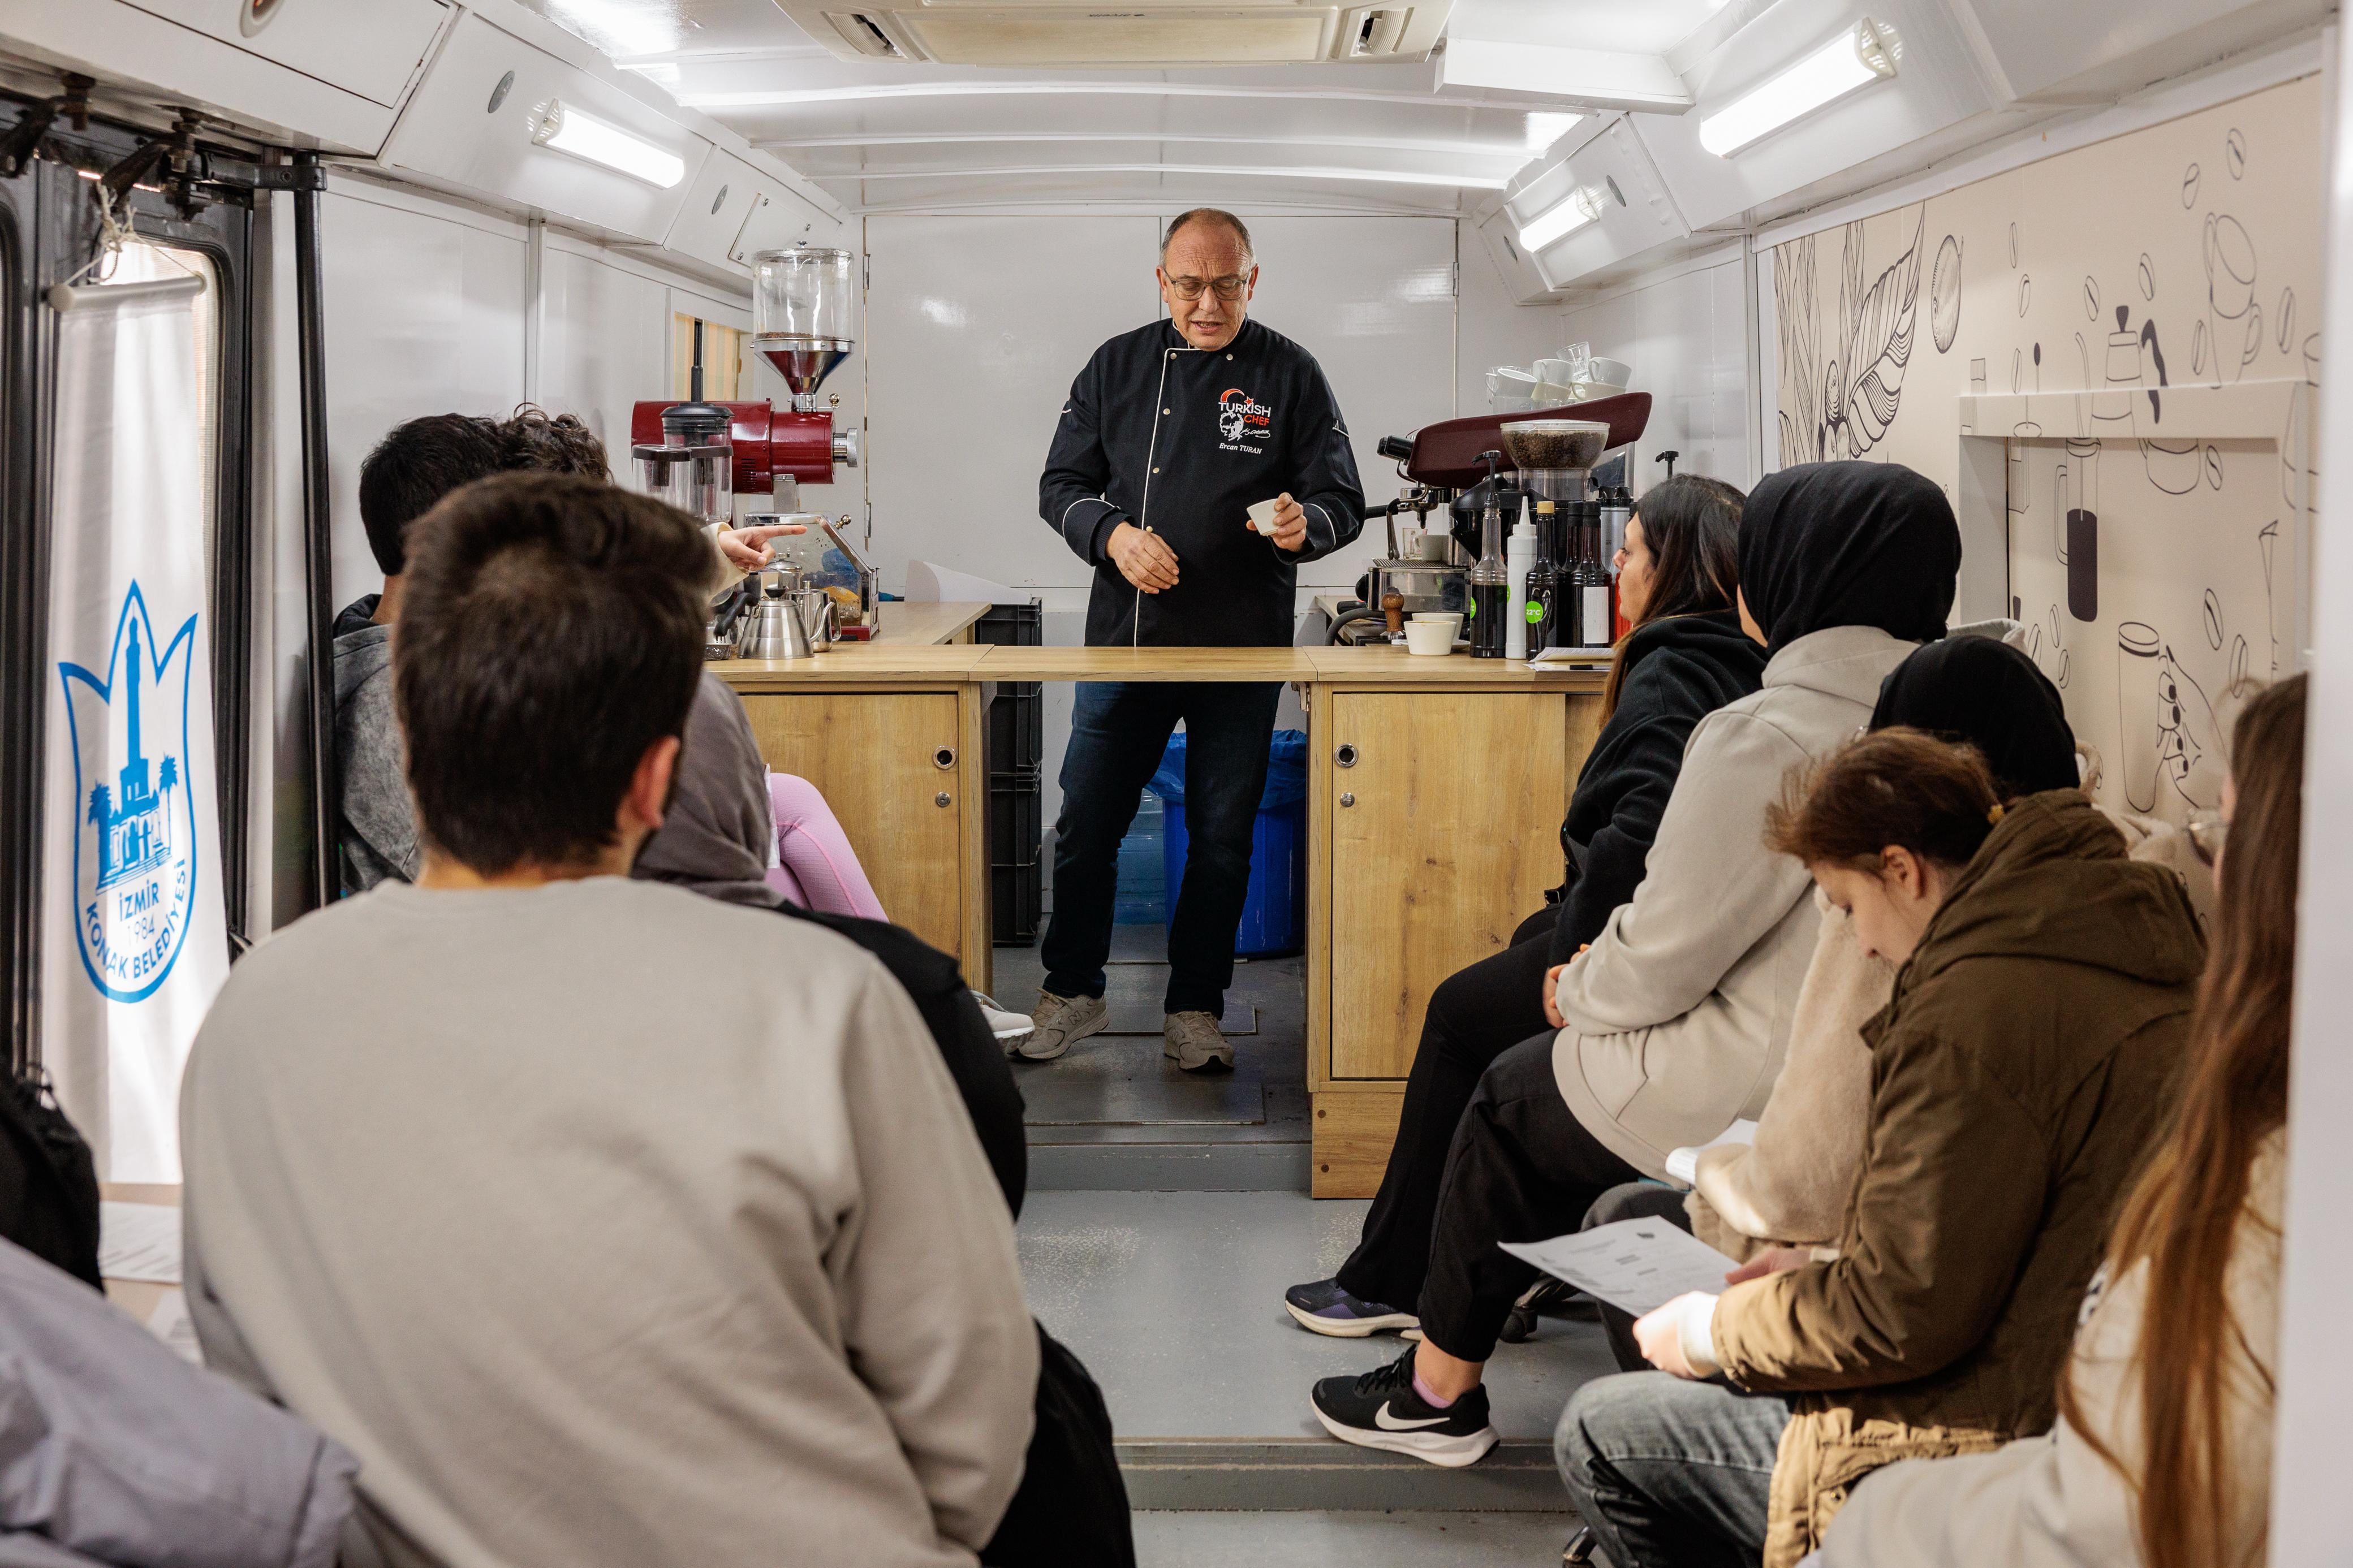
(2162, 1454)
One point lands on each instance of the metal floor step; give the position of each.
(1283, 1474)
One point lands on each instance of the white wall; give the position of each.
(1685, 333)
(427, 300)
(423, 315)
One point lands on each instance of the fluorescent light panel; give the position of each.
(1559, 221)
(1854, 59)
(567, 129)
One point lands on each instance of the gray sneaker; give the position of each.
(1195, 1044)
(1057, 1022)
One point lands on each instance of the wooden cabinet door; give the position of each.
(1445, 833)
(873, 757)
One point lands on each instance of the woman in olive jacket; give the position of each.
(2018, 1076)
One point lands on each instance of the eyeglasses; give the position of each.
(2207, 830)
(1228, 287)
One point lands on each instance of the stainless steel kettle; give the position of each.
(773, 628)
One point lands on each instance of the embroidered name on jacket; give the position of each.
(1242, 422)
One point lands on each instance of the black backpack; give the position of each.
(48, 1183)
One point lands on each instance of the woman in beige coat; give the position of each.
(2161, 1457)
(1677, 1016)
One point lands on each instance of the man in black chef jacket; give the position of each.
(1171, 434)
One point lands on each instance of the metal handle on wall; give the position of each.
(944, 758)
(1345, 756)
(941, 799)
(1347, 800)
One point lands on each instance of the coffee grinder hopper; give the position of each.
(803, 301)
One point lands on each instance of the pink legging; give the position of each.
(819, 870)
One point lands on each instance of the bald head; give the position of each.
(1207, 276)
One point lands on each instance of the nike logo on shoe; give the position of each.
(1388, 1423)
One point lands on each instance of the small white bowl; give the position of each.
(1429, 637)
(1261, 515)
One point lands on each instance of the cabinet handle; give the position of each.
(1345, 756)
(1347, 800)
(943, 759)
(941, 798)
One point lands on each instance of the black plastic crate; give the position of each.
(1012, 626)
(1017, 878)
(1016, 725)
(1014, 829)
(1016, 895)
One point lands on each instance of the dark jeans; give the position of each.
(1476, 1016)
(1635, 1200)
(1117, 736)
(1668, 1473)
(1521, 1169)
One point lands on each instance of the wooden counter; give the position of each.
(1435, 788)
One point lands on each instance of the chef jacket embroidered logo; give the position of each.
(1242, 421)
(134, 859)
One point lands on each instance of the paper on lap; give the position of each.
(1636, 1265)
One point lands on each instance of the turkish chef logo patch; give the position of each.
(134, 862)
(1242, 421)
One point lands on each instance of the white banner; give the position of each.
(133, 943)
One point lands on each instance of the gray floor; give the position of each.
(1176, 1300)
(1115, 1114)
(1355, 1539)
(1168, 1213)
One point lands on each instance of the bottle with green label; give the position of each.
(1541, 573)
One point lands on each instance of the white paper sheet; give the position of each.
(1683, 1165)
(139, 1241)
(170, 1322)
(1638, 1265)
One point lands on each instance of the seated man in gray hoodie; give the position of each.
(623, 1225)
(411, 469)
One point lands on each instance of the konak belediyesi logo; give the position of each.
(134, 857)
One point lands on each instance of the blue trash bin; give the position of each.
(1275, 918)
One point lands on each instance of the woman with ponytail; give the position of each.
(2161, 1457)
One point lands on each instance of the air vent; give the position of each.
(865, 34)
(1123, 33)
(1376, 32)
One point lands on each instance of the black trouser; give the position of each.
(1119, 731)
(1476, 1016)
(1635, 1200)
(1071, 1507)
(1521, 1169)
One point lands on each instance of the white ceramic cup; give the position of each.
(1429, 637)
(1261, 515)
(1451, 619)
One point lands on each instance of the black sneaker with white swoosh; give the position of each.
(1382, 1410)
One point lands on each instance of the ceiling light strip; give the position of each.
(1514, 151)
(785, 98)
(1561, 219)
(1865, 54)
(1223, 171)
(562, 128)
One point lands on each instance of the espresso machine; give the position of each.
(1447, 490)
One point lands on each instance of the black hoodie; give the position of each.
(1678, 671)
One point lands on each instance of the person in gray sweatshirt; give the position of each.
(409, 471)
(620, 1227)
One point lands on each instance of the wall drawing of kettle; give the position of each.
(2135, 365)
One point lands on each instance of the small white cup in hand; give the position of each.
(1261, 516)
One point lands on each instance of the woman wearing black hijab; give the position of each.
(1672, 1024)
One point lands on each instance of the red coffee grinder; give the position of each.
(803, 301)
